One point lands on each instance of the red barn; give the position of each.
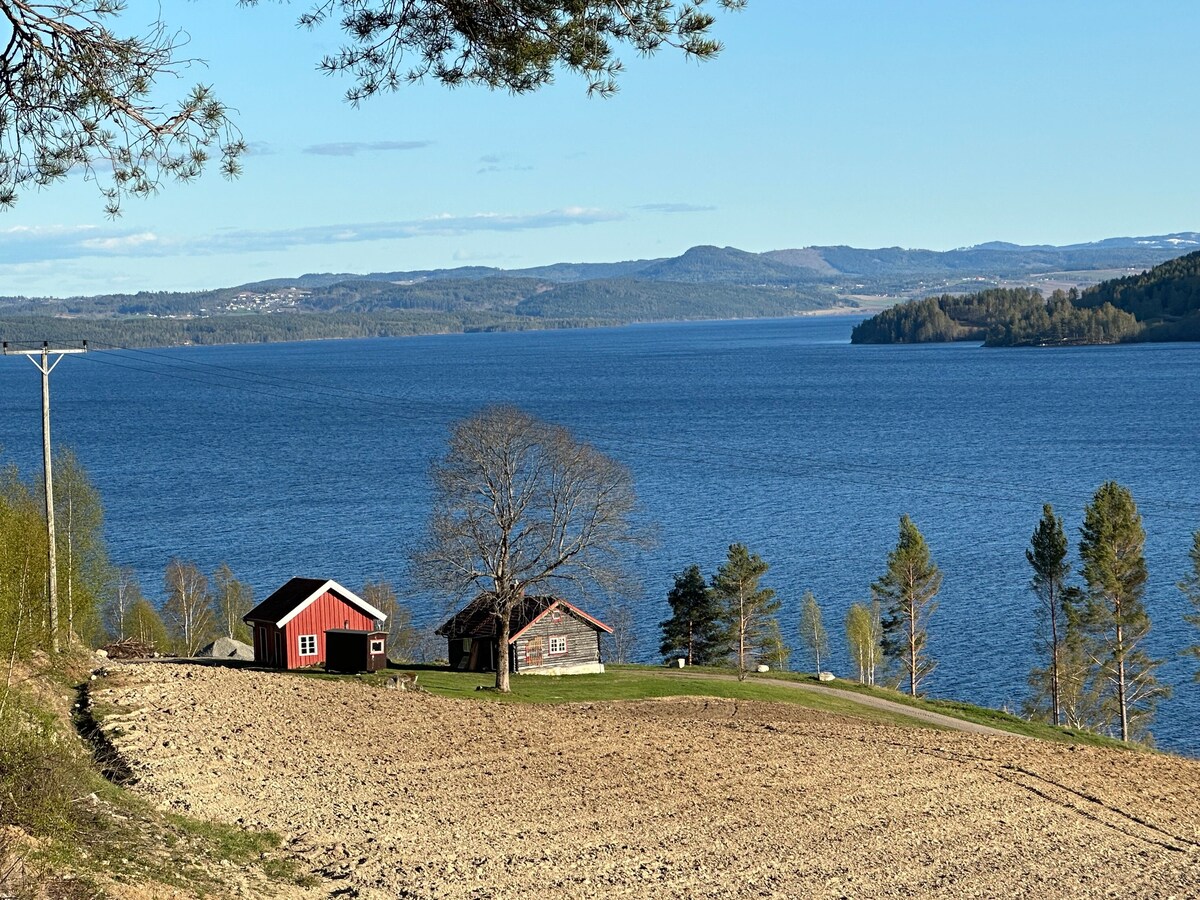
(289, 626)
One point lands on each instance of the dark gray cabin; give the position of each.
(547, 636)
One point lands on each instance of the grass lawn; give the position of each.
(642, 682)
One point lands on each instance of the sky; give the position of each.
(918, 124)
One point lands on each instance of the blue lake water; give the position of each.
(312, 459)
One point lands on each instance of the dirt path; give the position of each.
(949, 723)
(393, 795)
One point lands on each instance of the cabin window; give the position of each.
(558, 645)
(376, 646)
(308, 645)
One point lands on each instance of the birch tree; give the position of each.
(188, 610)
(864, 637)
(906, 592)
(232, 600)
(522, 506)
(812, 629)
(124, 589)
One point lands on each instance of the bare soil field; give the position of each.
(395, 795)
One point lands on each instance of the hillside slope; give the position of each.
(431, 797)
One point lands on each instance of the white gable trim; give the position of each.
(349, 596)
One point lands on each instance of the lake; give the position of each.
(312, 459)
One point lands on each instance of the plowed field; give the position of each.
(387, 794)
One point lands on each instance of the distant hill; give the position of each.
(889, 269)
(1162, 304)
(706, 282)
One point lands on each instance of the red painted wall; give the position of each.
(327, 611)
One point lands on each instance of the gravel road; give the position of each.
(386, 794)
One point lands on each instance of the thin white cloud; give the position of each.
(28, 245)
(353, 148)
(674, 208)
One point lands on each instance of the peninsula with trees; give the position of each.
(1162, 304)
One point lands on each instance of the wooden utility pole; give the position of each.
(45, 366)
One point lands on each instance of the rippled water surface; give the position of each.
(312, 458)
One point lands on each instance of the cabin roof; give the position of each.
(298, 594)
(476, 620)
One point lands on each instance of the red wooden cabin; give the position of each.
(289, 626)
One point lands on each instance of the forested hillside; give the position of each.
(705, 282)
(1162, 304)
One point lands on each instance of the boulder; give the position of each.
(763, 668)
(825, 676)
(227, 648)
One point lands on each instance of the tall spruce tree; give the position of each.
(747, 608)
(1190, 586)
(1047, 555)
(812, 630)
(906, 592)
(1114, 568)
(695, 629)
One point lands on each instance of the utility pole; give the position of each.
(46, 367)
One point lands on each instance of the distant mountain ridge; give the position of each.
(707, 264)
(705, 282)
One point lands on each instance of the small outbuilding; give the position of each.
(353, 650)
(290, 625)
(547, 636)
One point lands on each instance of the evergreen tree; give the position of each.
(695, 629)
(1190, 586)
(906, 592)
(812, 630)
(1047, 555)
(864, 636)
(1114, 568)
(747, 608)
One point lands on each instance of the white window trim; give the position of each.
(550, 651)
(307, 637)
(376, 646)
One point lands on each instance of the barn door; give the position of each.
(534, 651)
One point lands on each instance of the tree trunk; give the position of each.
(1054, 650)
(1121, 700)
(741, 637)
(912, 644)
(502, 657)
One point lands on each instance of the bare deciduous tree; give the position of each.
(233, 600)
(188, 609)
(521, 505)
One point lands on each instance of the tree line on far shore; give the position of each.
(1093, 670)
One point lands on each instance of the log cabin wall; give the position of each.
(537, 648)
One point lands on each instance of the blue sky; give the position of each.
(918, 124)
